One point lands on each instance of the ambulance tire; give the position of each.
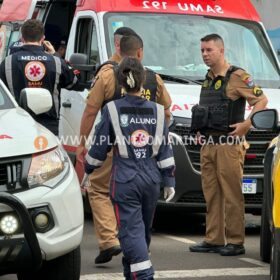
(66, 267)
(275, 260)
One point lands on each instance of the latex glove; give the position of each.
(168, 193)
(85, 181)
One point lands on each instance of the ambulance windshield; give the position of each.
(172, 44)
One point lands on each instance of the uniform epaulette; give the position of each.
(105, 68)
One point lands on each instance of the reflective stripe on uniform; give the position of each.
(8, 72)
(166, 163)
(159, 130)
(140, 266)
(93, 161)
(116, 125)
(55, 89)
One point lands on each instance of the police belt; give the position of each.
(223, 139)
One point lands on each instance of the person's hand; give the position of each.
(80, 153)
(168, 193)
(240, 129)
(85, 182)
(48, 47)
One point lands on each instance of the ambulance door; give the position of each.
(57, 28)
(85, 39)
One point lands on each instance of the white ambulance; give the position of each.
(171, 31)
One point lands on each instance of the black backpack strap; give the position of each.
(150, 84)
(232, 69)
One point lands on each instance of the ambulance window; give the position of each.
(172, 44)
(94, 53)
(259, 65)
(87, 40)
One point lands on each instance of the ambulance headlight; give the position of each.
(9, 224)
(48, 168)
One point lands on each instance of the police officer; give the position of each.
(104, 220)
(219, 118)
(142, 156)
(118, 34)
(32, 66)
(104, 89)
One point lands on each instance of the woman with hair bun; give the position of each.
(136, 130)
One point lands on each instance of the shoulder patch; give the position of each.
(257, 91)
(248, 80)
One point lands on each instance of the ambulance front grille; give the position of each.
(253, 165)
(14, 173)
(10, 175)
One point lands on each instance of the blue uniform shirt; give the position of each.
(137, 130)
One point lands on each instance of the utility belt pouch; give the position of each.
(199, 117)
(218, 118)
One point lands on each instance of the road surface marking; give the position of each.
(183, 274)
(176, 238)
(253, 261)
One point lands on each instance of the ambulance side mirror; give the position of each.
(265, 119)
(35, 100)
(79, 61)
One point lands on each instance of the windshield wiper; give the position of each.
(171, 78)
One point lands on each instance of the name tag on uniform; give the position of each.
(249, 186)
(33, 58)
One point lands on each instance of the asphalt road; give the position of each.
(172, 234)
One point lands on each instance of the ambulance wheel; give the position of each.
(67, 267)
(275, 260)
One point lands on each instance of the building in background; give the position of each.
(269, 12)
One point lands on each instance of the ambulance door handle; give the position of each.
(67, 104)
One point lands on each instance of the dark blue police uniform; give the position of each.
(30, 67)
(143, 158)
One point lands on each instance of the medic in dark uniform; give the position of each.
(32, 66)
(136, 130)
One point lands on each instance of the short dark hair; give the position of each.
(130, 44)
(212, 37)
(125, 31)
(32, 30)
(131, 67)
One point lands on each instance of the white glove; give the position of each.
(85, 181)
(168, 193)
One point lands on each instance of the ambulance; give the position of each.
(171, 31)
(270, 226)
